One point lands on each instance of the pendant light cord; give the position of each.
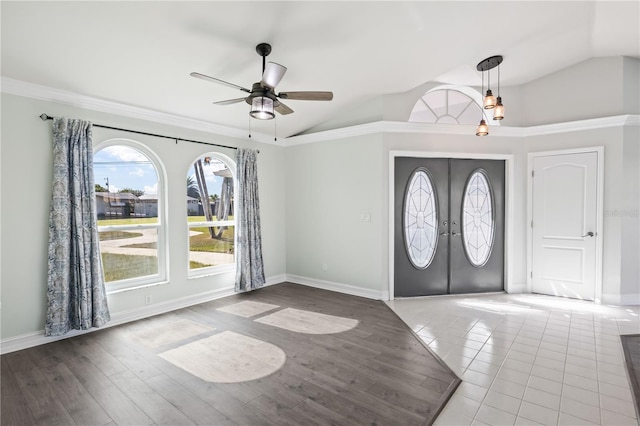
(482, 95)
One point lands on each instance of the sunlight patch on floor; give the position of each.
(308, 322)
(227, 357)
(166, 333)
(248, 308)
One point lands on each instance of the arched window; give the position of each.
(210, 214)
(129, 204)
(450, 104)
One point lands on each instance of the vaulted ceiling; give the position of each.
(141, 53)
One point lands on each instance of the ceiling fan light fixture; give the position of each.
(482, 129)
(262, 108)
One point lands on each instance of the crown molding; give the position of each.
(44, 93)
(49, 94)
(465, 130)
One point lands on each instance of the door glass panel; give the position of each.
(477, 218)
(420, 219)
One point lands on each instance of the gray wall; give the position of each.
(26, 191)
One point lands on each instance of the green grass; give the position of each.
(201, 242)
(152, 245)
(129, 221)
(204, 242)
(117, 235)
(122, 266)
(202, 218)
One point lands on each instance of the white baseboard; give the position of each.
(621, 299)
(276, 279)
(339, 287)
(37, 338)
(517, 288)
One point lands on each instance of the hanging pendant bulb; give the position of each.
(498, 111)
(489, 100)
(483, 129)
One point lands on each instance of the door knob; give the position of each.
(454, 234)
(444, 234)
(589, 234)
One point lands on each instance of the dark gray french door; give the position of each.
(449, 226)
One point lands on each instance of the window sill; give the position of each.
(220, 271)
(135, 287)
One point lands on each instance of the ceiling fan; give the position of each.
(262, 96)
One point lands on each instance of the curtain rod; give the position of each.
(45, 117)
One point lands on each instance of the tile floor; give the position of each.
(528, 359)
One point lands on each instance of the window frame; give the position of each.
(162, 276)
(474, 96)
(216, 269)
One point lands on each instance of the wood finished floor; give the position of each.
(631, 347)
(376, 373)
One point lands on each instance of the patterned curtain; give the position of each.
(249, 267)
(76, 296)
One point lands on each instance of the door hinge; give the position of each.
(531, 274)
(532, 224)
(532, 173)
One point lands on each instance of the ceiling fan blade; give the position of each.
(307, 96)
(230, 101)
(283, 109)
(272, 74)
(217, 80)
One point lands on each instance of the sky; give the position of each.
(126, 167)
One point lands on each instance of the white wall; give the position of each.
(329, 186)
(597, 87)
(629, 216)
(26, 192)
(591, 89)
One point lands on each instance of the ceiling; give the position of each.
(141, 53)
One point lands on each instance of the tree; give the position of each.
(192, 188)
(100, 188)
(136, 192)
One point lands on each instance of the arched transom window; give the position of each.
(448, 105)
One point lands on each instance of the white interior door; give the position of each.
(564, 225)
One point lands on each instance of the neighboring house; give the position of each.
(114, 205)
(147, 205)
(193, 206)
(124, 204)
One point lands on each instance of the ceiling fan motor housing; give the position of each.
(259, 90)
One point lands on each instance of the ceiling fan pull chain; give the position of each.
(275, 130)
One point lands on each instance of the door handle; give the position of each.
(455, 234)
(589, 234)
(444, 234)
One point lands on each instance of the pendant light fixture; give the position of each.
(482, 129)
(498, 111)
(489, 101)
